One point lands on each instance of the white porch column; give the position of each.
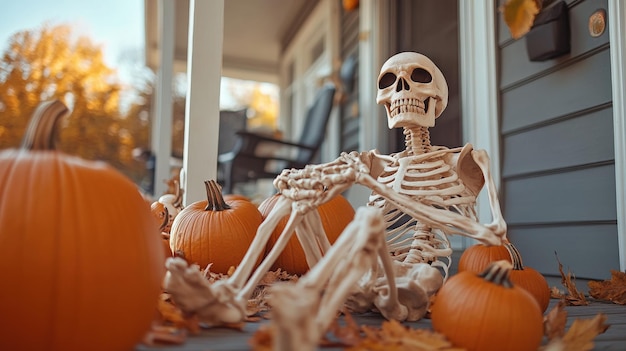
(479, 88)
(162, 128)
(617, 26)
(373, 52)
(204, 71)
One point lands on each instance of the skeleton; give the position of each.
(395, 254)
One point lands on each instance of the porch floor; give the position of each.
(222, 339)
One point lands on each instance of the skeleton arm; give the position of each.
(498, 225)
(447, 221)
(473, 168)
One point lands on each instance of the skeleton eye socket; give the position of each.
(421, 75)
(386, 80)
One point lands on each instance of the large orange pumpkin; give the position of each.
(335, 214)
(487, 312)
(215, 231)
(80, 257)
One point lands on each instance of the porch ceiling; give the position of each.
(255, 34)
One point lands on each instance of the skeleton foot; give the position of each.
(302, 330)
(415, 284)
(213, 304)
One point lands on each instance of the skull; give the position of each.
(412, 89)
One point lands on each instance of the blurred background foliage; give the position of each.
(110, 120)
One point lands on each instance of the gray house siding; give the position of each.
(431, 28)
(558, 167)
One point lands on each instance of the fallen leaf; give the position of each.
(573, 297)
(556, 293)
(613, 290)
(392, 335)
(159, 335)
(258, 301)
(263, 338)
(212, 276)
(554, 321)
(173, 316)
(580, 335)
(519, 15)
(347, 334)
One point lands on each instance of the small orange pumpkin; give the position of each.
(80, 259)
(335, 214)
(477, 257)
(530, 279)
(160, 213)
(215, 231)
(487, 312)
(350, 5)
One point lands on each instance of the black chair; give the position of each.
(231, 122)
(247, 161)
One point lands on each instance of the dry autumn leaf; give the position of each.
(392, 335)
(613, 290)
(580, 335)
(519, 15)
(262, 339)
(554, 321)
(573, 296)
(346, 334)
(258, 301)
(160, 334)
(173, 316)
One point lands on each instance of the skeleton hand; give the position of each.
(317, 184)
(499, 228)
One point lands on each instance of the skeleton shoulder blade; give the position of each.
(469, 171)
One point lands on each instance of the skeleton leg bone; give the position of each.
(193, 294)
(339, 274)
(322, 291)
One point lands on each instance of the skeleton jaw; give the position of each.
(408, 112)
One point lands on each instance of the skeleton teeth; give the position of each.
(407, 105)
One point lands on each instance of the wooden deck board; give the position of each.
(222, 339)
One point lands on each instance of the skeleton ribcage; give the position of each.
(433, 182)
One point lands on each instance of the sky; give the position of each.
(116, 25)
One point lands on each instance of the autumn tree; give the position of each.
(260, 102)
(50, 63)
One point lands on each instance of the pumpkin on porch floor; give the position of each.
(215, 231)
(161, 216)
(487, 312)
(80, 257)
(335, 215)
(528, 278)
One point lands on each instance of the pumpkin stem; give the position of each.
(215, 199)
(516, 257)
(498, 273)
(41, 130)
